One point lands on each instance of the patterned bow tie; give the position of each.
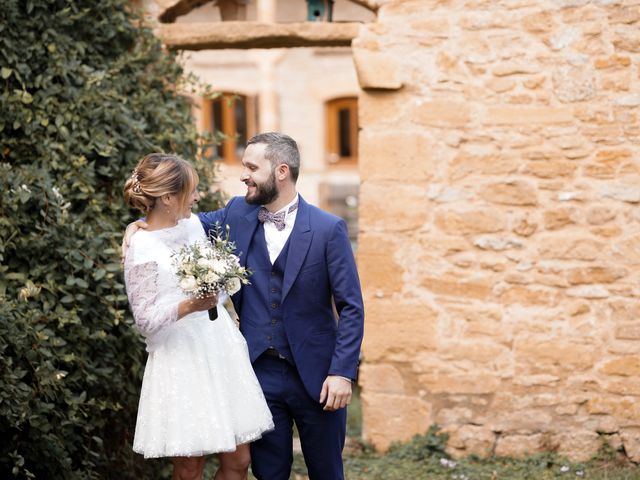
(277, 219)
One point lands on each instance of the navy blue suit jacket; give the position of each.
(320, 267)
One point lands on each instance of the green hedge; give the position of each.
(85, 93)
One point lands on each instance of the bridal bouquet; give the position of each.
(207, 267)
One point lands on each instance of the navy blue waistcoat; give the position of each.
(262, 300)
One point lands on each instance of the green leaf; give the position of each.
(5, 72)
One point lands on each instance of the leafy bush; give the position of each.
(86, 92)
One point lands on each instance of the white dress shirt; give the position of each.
(276, 239)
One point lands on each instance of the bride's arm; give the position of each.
(149, 311)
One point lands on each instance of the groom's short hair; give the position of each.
(281, 148)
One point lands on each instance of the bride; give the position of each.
(199, 392)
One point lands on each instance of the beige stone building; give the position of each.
(499, 231)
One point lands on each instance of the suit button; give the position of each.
(274, 305)
(274, 290)
(273, 274)
(273, 321)
(269, 338)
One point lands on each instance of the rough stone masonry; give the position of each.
(500, 224)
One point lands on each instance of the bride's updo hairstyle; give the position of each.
(159, 174)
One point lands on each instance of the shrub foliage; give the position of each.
(87, 90)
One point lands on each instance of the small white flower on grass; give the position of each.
(445, 462)
(564, 469)
(580, 473)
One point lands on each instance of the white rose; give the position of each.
(187, 269)
(211, 278)
(205, 263)
(233, 285)
(219, 266)
(188, 284)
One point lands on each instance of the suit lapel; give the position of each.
(246, 227)
(299, 243)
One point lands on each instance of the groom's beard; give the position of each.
(265, 192)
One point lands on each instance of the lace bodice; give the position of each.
(152, 286)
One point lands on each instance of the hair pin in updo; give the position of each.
(136, 181)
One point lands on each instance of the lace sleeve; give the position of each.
(151, 314)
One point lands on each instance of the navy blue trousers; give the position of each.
(321, 433)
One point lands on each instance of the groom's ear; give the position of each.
(282, 171)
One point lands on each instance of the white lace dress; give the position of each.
(199, 392)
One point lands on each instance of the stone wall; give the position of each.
(500, 232)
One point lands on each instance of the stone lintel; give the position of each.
(244, 35)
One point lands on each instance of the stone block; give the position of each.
(627, 366)
(376, 265)
(397, 156)
(510, 192)
(453, 416)
(573, 84)
(612, 61)
(381, 378)
(380, 109)
(627, 40)
(501, 85)
(628, 331)
(525, 226)
(627, 250)
(631, 442)
(453, 285)
(539, 22)
(478, 321)
(570, 247)
(519, 446)
(529, 296)
(376, 70)
(600, 214)
(398, 330)
(625, 386)
(551, 168)
(460, 384)
(469, 221)
(554, 352)
(441, 113)
(607, 163)
(389, 207)
(514, 68)
(527, 115)
(595, 274)
(468, 163)
(393, 418)
(577, 445)
(625, 410)
(560, 217)
(470, 440)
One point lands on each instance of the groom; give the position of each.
(305, 360)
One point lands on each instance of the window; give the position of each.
(233, 119)
(342, 131)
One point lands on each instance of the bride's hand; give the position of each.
(197, 305)
(128, 233)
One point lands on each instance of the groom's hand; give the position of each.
(337, 393)
(128, 233)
